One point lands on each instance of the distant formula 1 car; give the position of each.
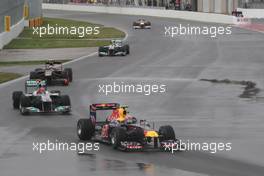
(237, 13)
(116, 48)
(53, 73)
(141, 24)
(124, 132)
(37, 99)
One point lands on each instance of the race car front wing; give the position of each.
(58, 109)
(136, 146)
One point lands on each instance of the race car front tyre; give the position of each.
(69, 73)
(85, 129)
(166, 133)
(117, 135)
(16, 99)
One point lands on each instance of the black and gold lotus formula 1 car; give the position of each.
(53, 73)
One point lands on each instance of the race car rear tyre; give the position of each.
(65, 100)
(99, 50)
(33, 75)
(85, 129)
(49, 81)
(69, 73)
(38, 69)
(126, 49)
(64, 75)
(166, 133)
(117, 136)
(16, 99)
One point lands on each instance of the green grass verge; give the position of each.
(53, 43)
(4, 77)
(26, 40)
(31, 62)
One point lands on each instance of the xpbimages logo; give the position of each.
(140, 88)
(212, 31)
(79, 31)
(212, 147)
(80, 147)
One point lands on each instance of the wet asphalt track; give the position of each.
(199, 111)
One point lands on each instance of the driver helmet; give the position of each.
(121, 114)
(41, 88)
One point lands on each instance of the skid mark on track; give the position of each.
(250, 89)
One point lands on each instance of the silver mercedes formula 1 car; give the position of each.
(37, 99)
(116, 48)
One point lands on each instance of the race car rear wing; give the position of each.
(34, 83)
(102, 106)
(55, 62)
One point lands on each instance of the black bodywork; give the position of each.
(237, 13)
(53, 73)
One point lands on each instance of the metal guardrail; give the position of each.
(113, 5)
(35, 8)
(259, 5)
(149, 4)
(108, 3)
(251, 4)
(13, 9)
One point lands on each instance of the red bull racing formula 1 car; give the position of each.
(124, 132)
